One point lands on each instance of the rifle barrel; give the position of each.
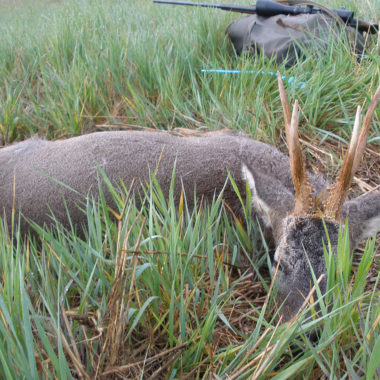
(268, 8)
(225, 7)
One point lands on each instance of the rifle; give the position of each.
(268, 8)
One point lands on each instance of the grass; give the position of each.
(163, 292)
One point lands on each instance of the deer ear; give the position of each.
(363, 215)
(270, 199)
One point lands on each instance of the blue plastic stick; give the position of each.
(291, 81)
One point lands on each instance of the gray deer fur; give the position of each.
(29, 167)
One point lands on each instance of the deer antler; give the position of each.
(303, 189)
(365, 129)
(284, 102)
(351, 161)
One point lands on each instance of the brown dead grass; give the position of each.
(146, 351)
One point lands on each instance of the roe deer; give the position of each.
(284, 194)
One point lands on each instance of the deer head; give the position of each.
(301, 234)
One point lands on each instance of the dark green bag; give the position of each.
(286, 37)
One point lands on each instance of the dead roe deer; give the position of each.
(38, 177)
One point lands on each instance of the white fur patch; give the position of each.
(259, 205)
(247, 176)
(372, 226)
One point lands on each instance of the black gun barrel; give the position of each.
(225, 7)
(265, 8)
(268, 8)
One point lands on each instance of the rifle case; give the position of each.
(286, 37)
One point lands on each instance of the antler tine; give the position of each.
(365, 130)
(284, 102)
(351, 161)
(303, 189)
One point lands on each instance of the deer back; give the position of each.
(38, 175)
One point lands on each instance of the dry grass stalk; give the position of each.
(144, 362)
(75, 361)
(70, 334)
(117, 311)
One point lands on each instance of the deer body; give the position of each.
(38, 177)
(38, 169)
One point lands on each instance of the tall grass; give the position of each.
(162, 292)
(157, 290)
(73, 65)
